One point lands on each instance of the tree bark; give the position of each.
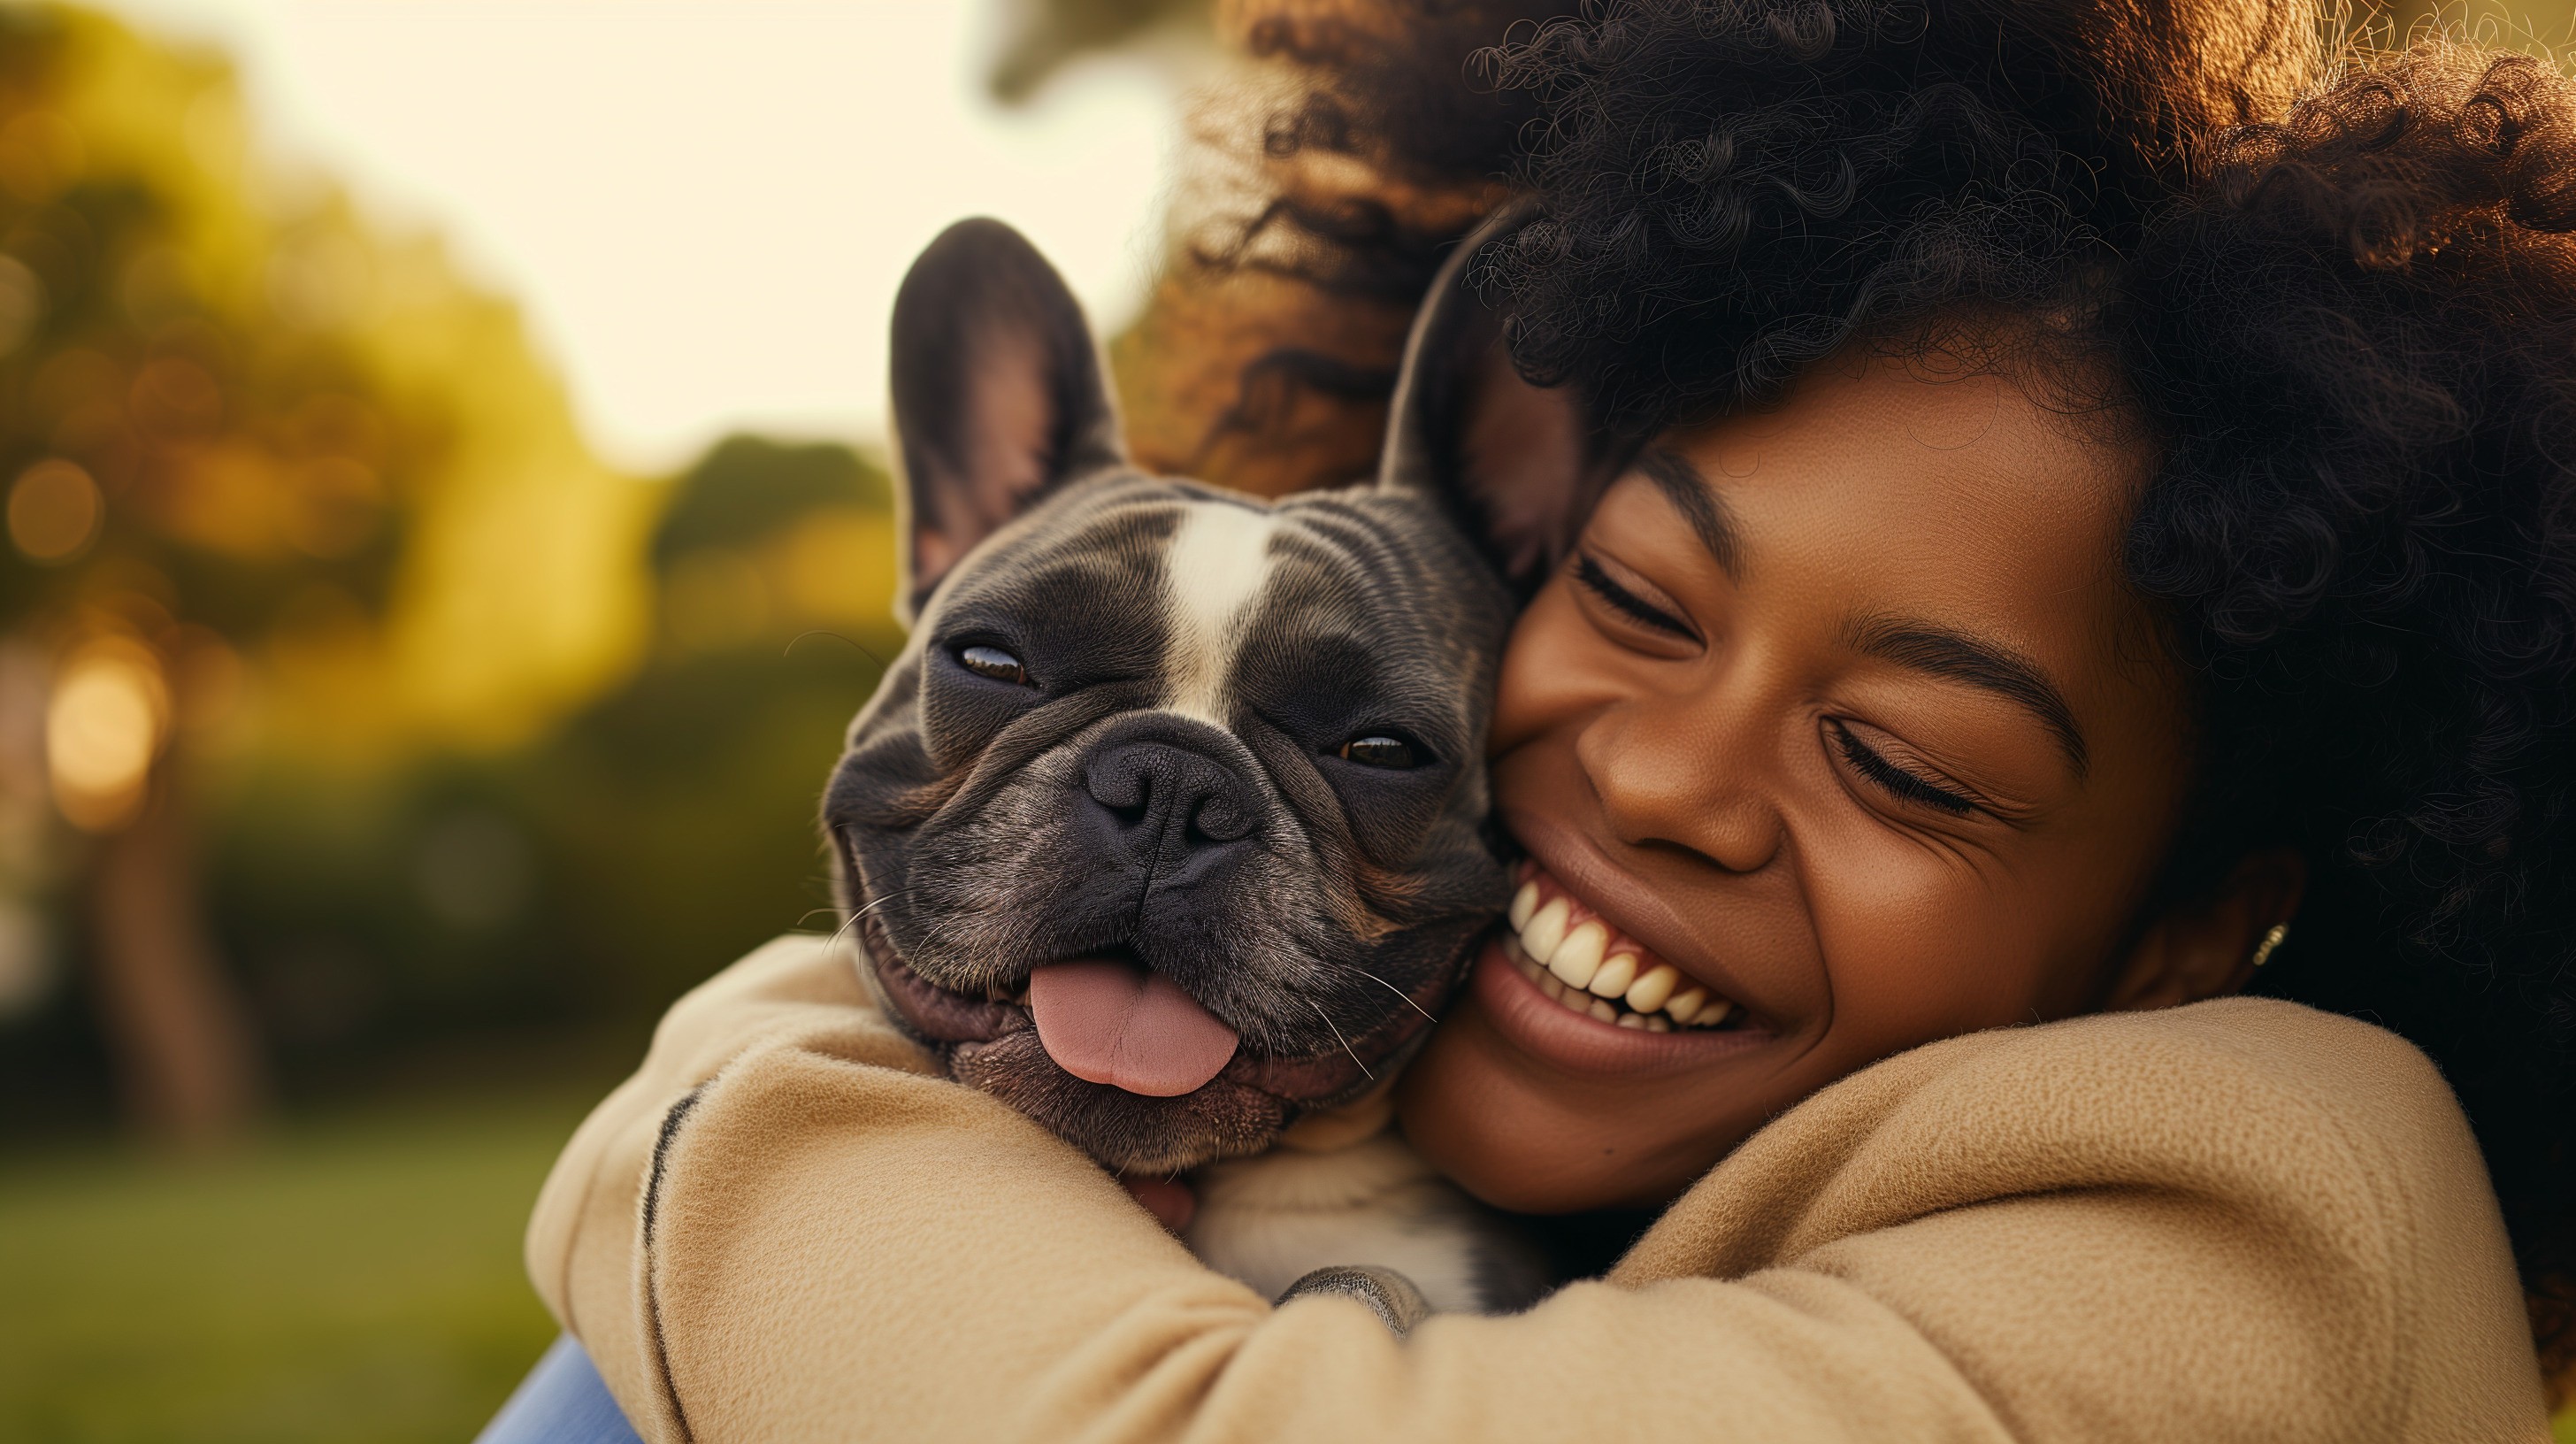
(189, 1065)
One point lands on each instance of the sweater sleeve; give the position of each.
(783, 1229)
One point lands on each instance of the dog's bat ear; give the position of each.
(999, 394)
(1518, 465)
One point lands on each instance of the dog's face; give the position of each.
(1169, 825)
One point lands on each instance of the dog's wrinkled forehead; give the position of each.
(1226, 602)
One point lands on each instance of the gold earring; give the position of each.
(2279, 934)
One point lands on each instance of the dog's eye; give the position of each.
(995, 663)
(1379, 752)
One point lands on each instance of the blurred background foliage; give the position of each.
(353, 710)
(375, 764)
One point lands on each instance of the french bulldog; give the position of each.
(1169, 825)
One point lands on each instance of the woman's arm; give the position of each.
(782, 1229)
(797, 993)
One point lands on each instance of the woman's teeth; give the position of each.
(1583, 966)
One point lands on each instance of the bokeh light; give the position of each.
(102, 727)
(22, 304)
(54, 511)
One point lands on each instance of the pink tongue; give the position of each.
(1112, 1022)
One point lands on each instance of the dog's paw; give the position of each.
(1389, 1295)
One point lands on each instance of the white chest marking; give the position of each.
(1271, 1219)
(1220, 556)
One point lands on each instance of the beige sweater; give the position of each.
(2242, 1220)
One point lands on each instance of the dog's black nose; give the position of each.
(1167, 807)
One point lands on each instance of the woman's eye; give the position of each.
(1392, 752)
(1904, 785)
(1597, 580)
(995, 663)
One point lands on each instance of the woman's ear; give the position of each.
(1517, 465)
(2208, 948)
(999, 396)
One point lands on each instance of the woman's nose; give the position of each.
(1680, 771)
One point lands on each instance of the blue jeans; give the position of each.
(560, 1402)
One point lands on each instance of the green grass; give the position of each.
(354, 1281)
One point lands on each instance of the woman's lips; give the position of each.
(1569, 987)
(1545, 1029)
(1630, 907)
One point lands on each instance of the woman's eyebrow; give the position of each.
(1690, 494)
(1956, 656)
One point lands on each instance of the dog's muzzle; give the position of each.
(993, 1043)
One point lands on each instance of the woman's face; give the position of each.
(1841, 711)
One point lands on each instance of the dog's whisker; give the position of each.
(835, 636)
(941, 930)
(1399, 992)
(853, 918)
(837, 933)
(1345, 1042)
(872, 906)
(944, 932)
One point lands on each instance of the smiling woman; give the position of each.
(1844, 712)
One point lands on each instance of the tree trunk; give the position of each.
(182, 1040)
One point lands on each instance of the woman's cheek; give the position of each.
(1920, 944)
(1547, 674)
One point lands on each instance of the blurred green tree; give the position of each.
(542, 898)
(270, 482)
(685, 802)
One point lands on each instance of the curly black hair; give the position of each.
(2342, 299)
(2358, 341)
(1734, 189)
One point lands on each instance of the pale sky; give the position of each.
(704, 206)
